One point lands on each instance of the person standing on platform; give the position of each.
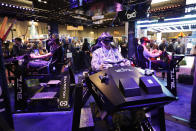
(107, 53)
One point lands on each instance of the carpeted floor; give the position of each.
(182, 106)
(172, 126)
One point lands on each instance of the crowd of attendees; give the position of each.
(174, 45)
(82, 51)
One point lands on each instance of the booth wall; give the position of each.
(23, 30)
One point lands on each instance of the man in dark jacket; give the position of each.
(17, 48)
(86, 52)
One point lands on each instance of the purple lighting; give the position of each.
(6, 4)
(2, 4)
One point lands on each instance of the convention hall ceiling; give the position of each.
(95, 13)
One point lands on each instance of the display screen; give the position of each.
(77, 3)
(36, 51)
(32, 82)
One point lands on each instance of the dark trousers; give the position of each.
(159, 64)
(188, 50)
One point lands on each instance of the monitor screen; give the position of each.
(32, 82)
(78, 3)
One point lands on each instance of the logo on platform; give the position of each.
(19, 88)
(63, 103)
(123, 70)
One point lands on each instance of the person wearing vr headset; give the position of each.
(153, 54)
(55, 54)
(107, 54)
(149, 54)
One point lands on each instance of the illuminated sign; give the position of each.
(188, 2)
(131, 15)
(75, 28)
(191, 6)
(127, 15)
(116, 32)
(190, 9)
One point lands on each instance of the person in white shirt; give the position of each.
(107, 54)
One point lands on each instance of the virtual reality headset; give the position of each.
(107, 39)
(144, 39)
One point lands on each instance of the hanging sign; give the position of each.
(75, 28)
